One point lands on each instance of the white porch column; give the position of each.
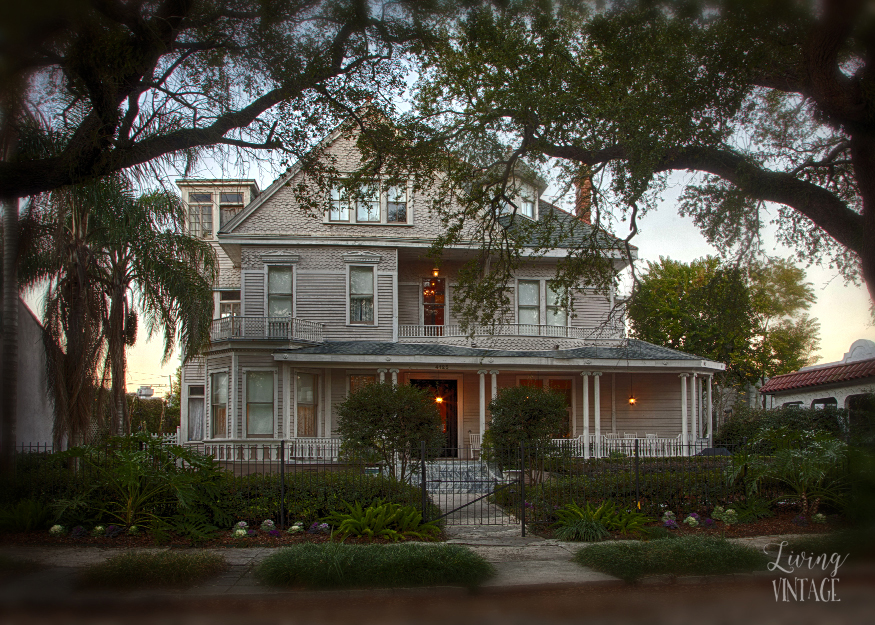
(382, 373)
(710, 415)
(685, 433)
(482, 374)
(394, 373)
(585, 376)
(233, 414)
(694, 401)
(613, 399)
(596, 398)
(327, 432)
(494, 374)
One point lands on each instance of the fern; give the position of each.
(391, 521)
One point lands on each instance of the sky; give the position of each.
(842, 309)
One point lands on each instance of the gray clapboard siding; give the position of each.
(590, 309)
(253, 293)
(384, 306)
(408, 304)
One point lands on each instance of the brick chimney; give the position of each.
(583, 198)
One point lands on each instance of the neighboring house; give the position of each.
(837, 384)
(33, 428)
(309, 307)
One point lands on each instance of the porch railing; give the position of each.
(310, 449)
(266, 329)
(606, 445)
(614, 331)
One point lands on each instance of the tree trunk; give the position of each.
(120, 422)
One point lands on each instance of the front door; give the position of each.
(445, 393)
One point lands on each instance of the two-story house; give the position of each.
(308, 307)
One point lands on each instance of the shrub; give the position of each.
(25, 516)
(748, 423)
(338, 565)
(530, 416)
(383, 520)
(574, 520)
(311, 496)
(684, 555)
(753, 509)
(141, 569)
(392, 421)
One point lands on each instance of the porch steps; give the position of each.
(454, 476)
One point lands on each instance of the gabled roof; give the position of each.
(834, 374)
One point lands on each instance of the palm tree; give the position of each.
(150, 267)
(109, 257)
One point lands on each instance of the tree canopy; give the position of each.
(769, 104)
(754, 321)
(94, 87)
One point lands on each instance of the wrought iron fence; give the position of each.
(281, 480)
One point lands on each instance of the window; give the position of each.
(368, 203)
(433, 301)
(396, 204)
(556, 313)
(218, 405)
(529, 301)
(196, 412)
(826, 402)
(361, 295)
(358, 381)
(521, 199)
(306, 404)
(259, 403)
(279, 291)
(229, 304)
(229, 205)
(338, 209)
(200, 214)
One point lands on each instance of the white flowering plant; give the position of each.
(267, 525)
(98, 530)
(241, 525)
(57, 530)
(240, 532)
(133, 530)
(296, 528)
(819, 518)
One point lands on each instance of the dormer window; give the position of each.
(229, 205)
(200, 214)
(523, 199)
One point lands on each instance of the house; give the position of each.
(310, 306)
(839, 384)
(35, 409)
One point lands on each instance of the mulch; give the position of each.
(262, 539)
(783, 522)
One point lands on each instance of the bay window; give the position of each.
(361, 295)
(259, 403)
(529, 302)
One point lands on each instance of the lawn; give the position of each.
(686, 555)
(340, 565)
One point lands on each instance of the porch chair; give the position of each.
(630, 435)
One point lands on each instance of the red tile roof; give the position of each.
(816, 377)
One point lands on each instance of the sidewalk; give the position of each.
(521, 563)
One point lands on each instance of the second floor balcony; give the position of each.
(266, 329)
(606, 332)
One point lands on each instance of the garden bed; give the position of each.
(224, 539)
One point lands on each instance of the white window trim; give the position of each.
(542, 301)
(208, 403)
(278, 263)
(245, 417)
(352, 208)
(373, 267)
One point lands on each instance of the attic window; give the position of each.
(522, 199)
(229, 205)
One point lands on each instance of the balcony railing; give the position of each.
(513, 329)
(266, 329)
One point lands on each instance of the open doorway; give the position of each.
(446, 397)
